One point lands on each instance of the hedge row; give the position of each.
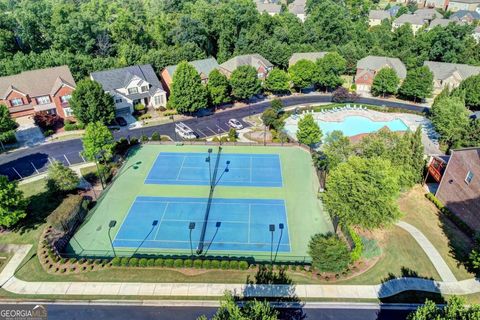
(357, 249)
(180, 263)
(453, 217)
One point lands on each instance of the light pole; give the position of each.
(98, 171)
(191, 226)
(264, 135)
(272, 230)
(111, 224)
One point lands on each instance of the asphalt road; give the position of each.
(29, 161)
(120, 312)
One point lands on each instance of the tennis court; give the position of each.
(253, 170)
(233, 224)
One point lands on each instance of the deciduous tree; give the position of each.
(309, 132)
(302, 74)
(330, 68)
(418, 84)
(245, 83)
(470, 88)
(337, 148)
(450, 118)
(218, 88)
(7, 124)
(12, 203)
(98, 141)
(188, 93)
(385, 82)
(90, 103)
(63, 178)
(277, 81)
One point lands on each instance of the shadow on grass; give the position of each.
(405, 273)
(280, 290)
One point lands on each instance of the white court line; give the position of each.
(187, 241)
(181, 167)
(161, 220)
(249, 221)
(206, 200)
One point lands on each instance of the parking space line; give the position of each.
(211, 130)
(201, 132)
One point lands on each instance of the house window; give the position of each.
(157, 100)
(144, 88)
(43, 100)
(118, 100)
(68, 112)
(65, 99)
(260, 75)
(16, 102)
(469, 177)
(132, 90)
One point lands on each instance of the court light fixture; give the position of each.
(271, 227)
(154, 223)
(191, 225)
(218, 224)
(112, 223)
(281, 226)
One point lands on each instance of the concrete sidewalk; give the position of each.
(10, 283)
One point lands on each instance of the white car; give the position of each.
(234, 123)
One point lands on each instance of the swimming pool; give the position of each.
(353, 125)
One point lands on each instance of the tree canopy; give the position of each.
(90, 103)
(302, 74)
(385, 82)
(330, 68)
(218, 88)
(12, 203)
(7, 124)
(98, 141)
(450, 118)
(245, 83)
(454, 309)
(309, 132)
(329, 253)
(63, 178)
(188, 93)
(277, 81)
(418, 84)
(470, 89)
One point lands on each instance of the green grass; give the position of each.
(452, 244)
(4, 257)
(304, 210)
(32, 188)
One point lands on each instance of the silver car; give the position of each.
(234, 123)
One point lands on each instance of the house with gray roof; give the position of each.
(428, 14)
(438, 4)
(297, 7)
(203, 67)
(311, 56)
(132, 85)
(46, 90)
(268, 6)
(465, 16)
(468, 5)
(442, 22)
(375, 17)
(369, 66)
(415, 21)
(259, 63)
(449, 74)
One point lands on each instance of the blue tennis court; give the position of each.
(233, 224)
(254, 170)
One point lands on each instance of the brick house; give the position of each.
(459, 187)
(262, 65)
(38, 90)
(368, 67)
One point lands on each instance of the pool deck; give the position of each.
(412, 121)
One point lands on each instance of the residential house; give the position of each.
(449, 74)
(268, 6)
(368, 67)
(465, 16)
(297, 7)
(438, 4)
(428, 14)
(459, 187)
(311, 56)
(262, 65)
(375, 17)
(442, 22)
(416, 22)
(203, 67)
(468, 5)
(132, 85)
(38, 90)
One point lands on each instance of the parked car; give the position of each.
(121, 121)
(234, 123)
(185, 132)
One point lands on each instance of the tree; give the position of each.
(454, 309)
(277, 105)
(46, 121)
(385, 82)
(418, 84)
(271, 118)
(329, 253)
(363, 192)
(63, 178)
(245, 83)
(7, 124)
(450, 118)
(336, 148)
(472, 136)
(98, 141)
(471, 90)
(330, 68)
(341, 95)
(252, 309)
(12, 203)
(218, 88)
(302, 74)
(277, 81)
(90, 103)
(309, 132)
(188, 93)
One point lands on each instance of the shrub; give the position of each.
(63, 260)
(80, 125)
(171, 112)
(48, 133)
(234, 264)
(150, 262)
(124, 262)
(243, 265)
(329, 253)
(370, 248)
(144, 138)
(72, 260)
(188, 263)
(215, 264)
(197, 264)
(66, 213)
(169, 263)
(133, 262)
(156, 136)
(70, 127)
(82, 261)
(139, 107)
(145, 117)
(142, 262)
(116, 262)
(178, 263)
(98, 261)
(206, 264)
(225, 264)
(357, 250)
(159, 262)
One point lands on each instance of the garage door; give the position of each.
(26, 121)
(123, 111)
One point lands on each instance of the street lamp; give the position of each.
(272, 230)
(100, 175)
(111, 224)
(191, 226)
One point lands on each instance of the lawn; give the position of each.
(452, 244)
